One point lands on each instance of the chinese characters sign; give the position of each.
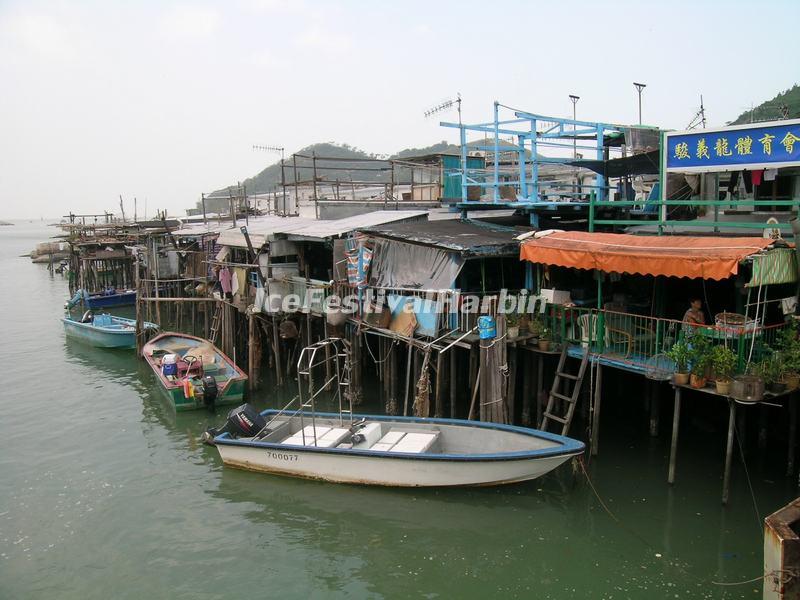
(734, 148)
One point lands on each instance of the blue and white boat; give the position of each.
(104, 330)
(382, 450)
(108, 298)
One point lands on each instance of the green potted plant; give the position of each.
(512, 324)
(789, 346)
(723, 360)
(544, 339)
(700, 359)
(679, 354)
(771, 369)
(536, 326)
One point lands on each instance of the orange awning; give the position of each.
(671, 256)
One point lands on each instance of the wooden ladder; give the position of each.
(212, 335)
(556, 393)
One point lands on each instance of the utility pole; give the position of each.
(574, 99)
(639, 88)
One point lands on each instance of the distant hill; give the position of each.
(774, 109)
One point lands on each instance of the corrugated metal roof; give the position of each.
(321, 230)
(261, 230)
(469, 238)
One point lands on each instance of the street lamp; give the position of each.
(639, 88)
(574, 99)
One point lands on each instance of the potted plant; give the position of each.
(789, 347)
(679, 354)
(700, 359)
(536, 327)
(772, 370)
(723, 359)
(544, 339)
(512, 325)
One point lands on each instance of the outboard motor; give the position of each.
(210, 391)
(243, 421)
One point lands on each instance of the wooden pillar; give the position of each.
(439, 406)
(276, 347)
(251, 352)
(527, 363)
(410, 355)
(512, 382)
(676, 421)
(453, 379)
(726, 478)
(598, 400)
(792, 434)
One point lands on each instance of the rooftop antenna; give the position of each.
(446, 105)
(699, 117)
(275, 149)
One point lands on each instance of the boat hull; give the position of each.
(231, 379)
(232, 394)
(100, 336)
(111, 300)
(369, 467)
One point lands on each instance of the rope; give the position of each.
(385, 358)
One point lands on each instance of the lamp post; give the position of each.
(574, 99)
(639, 88)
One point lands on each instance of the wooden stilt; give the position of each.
(251, 352)
(410, 352)
(762, 428)
(598, 400)
(439, 404)
(512, 382)
(792, 435)
(540, 399)
(453, 379)
(276, 346)
(726, 478)
(526, 362)
(676, 422)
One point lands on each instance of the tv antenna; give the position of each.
(699, 118)
(275, 149)
(446, 105)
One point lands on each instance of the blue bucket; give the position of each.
(487, 329)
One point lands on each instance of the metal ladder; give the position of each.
(556, 393)
(215, 319)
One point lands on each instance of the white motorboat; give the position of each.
(385, 450)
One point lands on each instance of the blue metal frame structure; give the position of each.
(532, 132)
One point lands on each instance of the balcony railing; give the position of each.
(634, 339)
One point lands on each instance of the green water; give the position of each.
(106, 493)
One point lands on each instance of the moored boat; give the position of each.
(381, 450)
(104, 330)
(192, 372)
(105, 299)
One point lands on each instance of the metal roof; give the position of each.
(468, 237)
(322, 230)
(261, 230)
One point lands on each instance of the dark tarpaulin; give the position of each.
(638, 164)
(402, 265)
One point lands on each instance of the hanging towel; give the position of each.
(734, 180)
(756, 175)
(225, 280)
(769, 174)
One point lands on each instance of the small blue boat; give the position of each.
(106, 299)
(104, 330)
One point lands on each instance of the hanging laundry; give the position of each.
(756, 176)
(734, 180)
(225, 280)
(770, 174)
(239, 281)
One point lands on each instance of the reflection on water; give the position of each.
(102, 482)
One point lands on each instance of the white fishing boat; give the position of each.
(383, 450)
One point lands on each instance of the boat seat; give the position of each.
(327, 437)
(413, 442)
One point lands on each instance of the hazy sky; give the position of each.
(164, 100)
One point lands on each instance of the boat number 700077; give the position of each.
(282, 456)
